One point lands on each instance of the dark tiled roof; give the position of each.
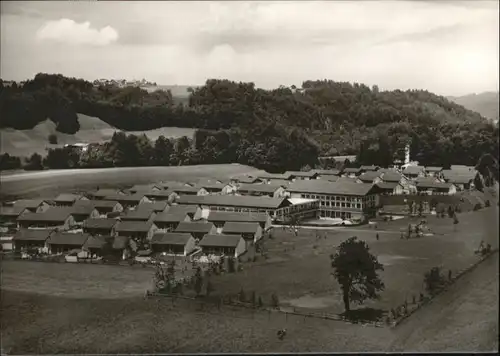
(413, 170)
(459, 179)
(369, 168)
(171, 184)
(333, 188)
(11, 211)
(266, 175)
(67, 198)
(100, 223)
(351, 170)
(236, 201)
(156, 206)
(29, 203)
(67, 238)
(133, 226)
(259, 188)
(137, 214)
(246, 179)
(105, 192)
(434, 185)
(427, 180)
(240, 228)
(309, 174)
(52, 214)
(223, 216)
(448, 173)
(78, 210)
(210, 184)
(133, 198)
(327, 172)
(462, 168)
(171, 238)
(98, 204)
(170, 217)
(186, 190)
(369, 176)
(279, 182)
(391, 177)
(32, 235)
(329, 178)
(144, 187)
(157, 194)
(185, 226)
(97, 242)
(182, 209)
(388, 185)
(220, 240)
(433, 169)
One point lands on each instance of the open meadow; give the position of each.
(24, 143)
(48, 184)
(465, 318)
(67, 308)
(298, 267)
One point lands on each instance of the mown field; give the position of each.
(463, 319)
(298, 269)
(68, 308)
(50, 183)
(24, 143)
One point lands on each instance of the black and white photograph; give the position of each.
(249, 177)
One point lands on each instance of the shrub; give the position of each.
(487, 203)
(34, 163)
(433, 280)
(477, 207)
(53, 139)
(275, 301)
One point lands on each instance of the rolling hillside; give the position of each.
(92, 130)
(484, 103)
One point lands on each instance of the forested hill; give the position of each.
(484, 103)
(322, 117)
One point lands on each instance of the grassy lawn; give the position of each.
(298, 266)
(50, 183)
(24, 143)
(66, 308)
(75, 280)
(50, 324)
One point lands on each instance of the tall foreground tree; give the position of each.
(355, 268)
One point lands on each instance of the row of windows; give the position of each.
(338, 198)
(335, 214)
(238, 210)
(341, 205)
(331, 197)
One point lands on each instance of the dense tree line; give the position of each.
(270, 148)
(278, 128)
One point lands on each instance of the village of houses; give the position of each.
(213, 217)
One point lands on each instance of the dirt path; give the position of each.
(465, 318)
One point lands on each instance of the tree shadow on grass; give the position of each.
(364, 315)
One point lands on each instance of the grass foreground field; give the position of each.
(48, 184)
(62, 308)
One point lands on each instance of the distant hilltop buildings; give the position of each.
(124, 83)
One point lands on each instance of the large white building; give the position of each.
(346, 200)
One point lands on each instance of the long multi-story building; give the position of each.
(280, 209)
(340, 199)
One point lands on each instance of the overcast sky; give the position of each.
(450, 48)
